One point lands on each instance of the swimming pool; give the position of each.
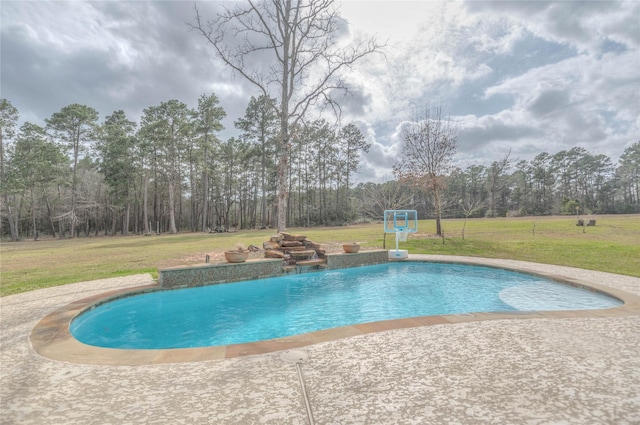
(277, 307)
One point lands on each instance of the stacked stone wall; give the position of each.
(293, 248)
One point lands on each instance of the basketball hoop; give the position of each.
(402, 235)
(400, 222)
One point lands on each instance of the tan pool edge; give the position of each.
(51, 337)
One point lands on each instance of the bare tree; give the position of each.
(469, 206)
(429, 144)
(376, 198)
(291, 51)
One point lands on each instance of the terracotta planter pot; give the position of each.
(351, 247)
(236, 256)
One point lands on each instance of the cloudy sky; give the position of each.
(525, 76)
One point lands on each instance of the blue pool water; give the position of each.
(290, 305)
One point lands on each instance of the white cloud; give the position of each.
(528, 76)
(583, 24)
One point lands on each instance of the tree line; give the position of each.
(171, 172)
(570, 182)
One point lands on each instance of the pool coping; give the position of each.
(51, 338)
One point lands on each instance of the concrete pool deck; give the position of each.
(560, 368)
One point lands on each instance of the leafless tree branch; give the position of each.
(303, 66)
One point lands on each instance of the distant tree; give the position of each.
(543, 180)
(322, 143)
(628, 174)
(92, 191)
(117, 144)
(584, 178)
(145, 154)
(313, 171)
(260, 126)
(566, 164)
(38, 162)
(521, 188)
(209, 117)
(463, 185)
(375, 198)
(8, 121)
(496, 182)
(289, 50)
(227, 181)
(169, 128)
(428, 146)
(75, 127)
(351, 143)
(595, 183)
(468, 187)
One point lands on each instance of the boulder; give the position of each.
(293, 248)
(286, 243)
(271, 245)
(273, 253)
(290, 237)
(311, 245)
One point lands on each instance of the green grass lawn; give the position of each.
(613, 245)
